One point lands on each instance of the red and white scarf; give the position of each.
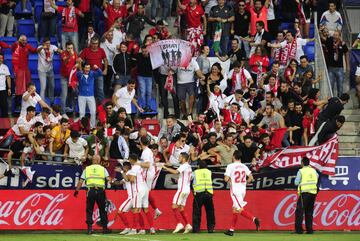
(70, 17)
(169, 84)
(289, 52)
(243, 80)
(196, 38)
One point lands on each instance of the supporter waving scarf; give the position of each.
(243, 80)
(289, 52)
(195, 37)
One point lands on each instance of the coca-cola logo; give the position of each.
(32, 210)
(111, 213)
(343, 209)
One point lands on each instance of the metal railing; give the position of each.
(320, 64)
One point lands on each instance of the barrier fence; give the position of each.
(59, 210)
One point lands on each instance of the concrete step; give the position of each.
(351, 112)
(350, 139)
(350, 128)
(349, 149)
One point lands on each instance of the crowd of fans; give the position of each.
(270, 85)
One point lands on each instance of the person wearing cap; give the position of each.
(307, 181)
(95, 177)
(76, 148)
(203, 196)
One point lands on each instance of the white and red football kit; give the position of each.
(148, 173)
(237, 172)
(176, 151)
(184, 180)
(128, 203)
(140, 190)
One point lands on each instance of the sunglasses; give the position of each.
(241, 5)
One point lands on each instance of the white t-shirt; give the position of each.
(39, 118)
(24, 123)
(186, 75)
(231, 99)
(32, 101)
(175, 153)
(4, 71)
(139, 185)
(46, 64)
(110, 50)
(209, 5)
(238, 173)
(76, 149)
(119, 36)
(300, 42)
(55, 119)
(124, 99)
(238, 78)
(184, 180)
(148, 156)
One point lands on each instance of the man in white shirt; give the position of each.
(124, 96)
(45, 68)
(76, 148)
(43, 117)
(31, 98)
(5, 87)
(179, 200)
(186, 86)
(332, 19)
(292, 47)
(238, 175)
(111, 50)
(176, 148)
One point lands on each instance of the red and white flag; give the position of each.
(322, 157)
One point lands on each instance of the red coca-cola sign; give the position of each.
(55, 210)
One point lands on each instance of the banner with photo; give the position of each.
(170, 52)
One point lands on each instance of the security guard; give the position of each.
(307, 180)
(94, 176)
(203, 196)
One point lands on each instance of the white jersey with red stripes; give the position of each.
(238, 173)
(128, 186)
(139, 185)
(156, 176)
(184, 180)
(148, 173)
(176, 151)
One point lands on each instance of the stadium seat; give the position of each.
(33, 42)
(9, 41)
(312, 31)
(26, 26)
(35, 79)
(309, 50)
(26, 13)
(285, 25)
(152, 105)
(8, 63)
(151, 125)
(56, 64)
(33, 63)
(57, 85)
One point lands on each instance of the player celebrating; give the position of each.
(128, 203)
(236, 173)
(140, 196)
(148, 171)
(183, 191)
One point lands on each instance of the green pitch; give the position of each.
(248, 236)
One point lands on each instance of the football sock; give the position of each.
(150, 219)
(123, 218)
(247, 215)
(152, 201)
(183, 215)
(234, 221)
(175, 211)
(141, 221)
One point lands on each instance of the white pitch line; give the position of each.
(124, 237)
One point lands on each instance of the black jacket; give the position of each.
(122, 64)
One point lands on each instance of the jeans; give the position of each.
(243, 44)
(70, 36)
(224, 43)
(64, 92)
(145, 88)
(337, 76)
(6, 23)
(90, 102)
(48, 26)
(164, 98)
(47, 80)
(99, 91)
(165, 8)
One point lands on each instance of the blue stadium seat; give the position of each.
(312, 31)
(57, 101)
(287, 26)
(53, 41)
(33, 42)
(9, 41)
(309, 50)
(23, 13)
(153, 106)
(33, 63)
(57, 85)
(35, 79)
(60, 3)
(26, 26)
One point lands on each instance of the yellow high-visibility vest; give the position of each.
(309, 179)
(203, 181)
(95, 176)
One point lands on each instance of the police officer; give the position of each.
(94, 176)
(307, 180)
(203, 196)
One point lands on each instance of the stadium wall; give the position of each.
(59, 210)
